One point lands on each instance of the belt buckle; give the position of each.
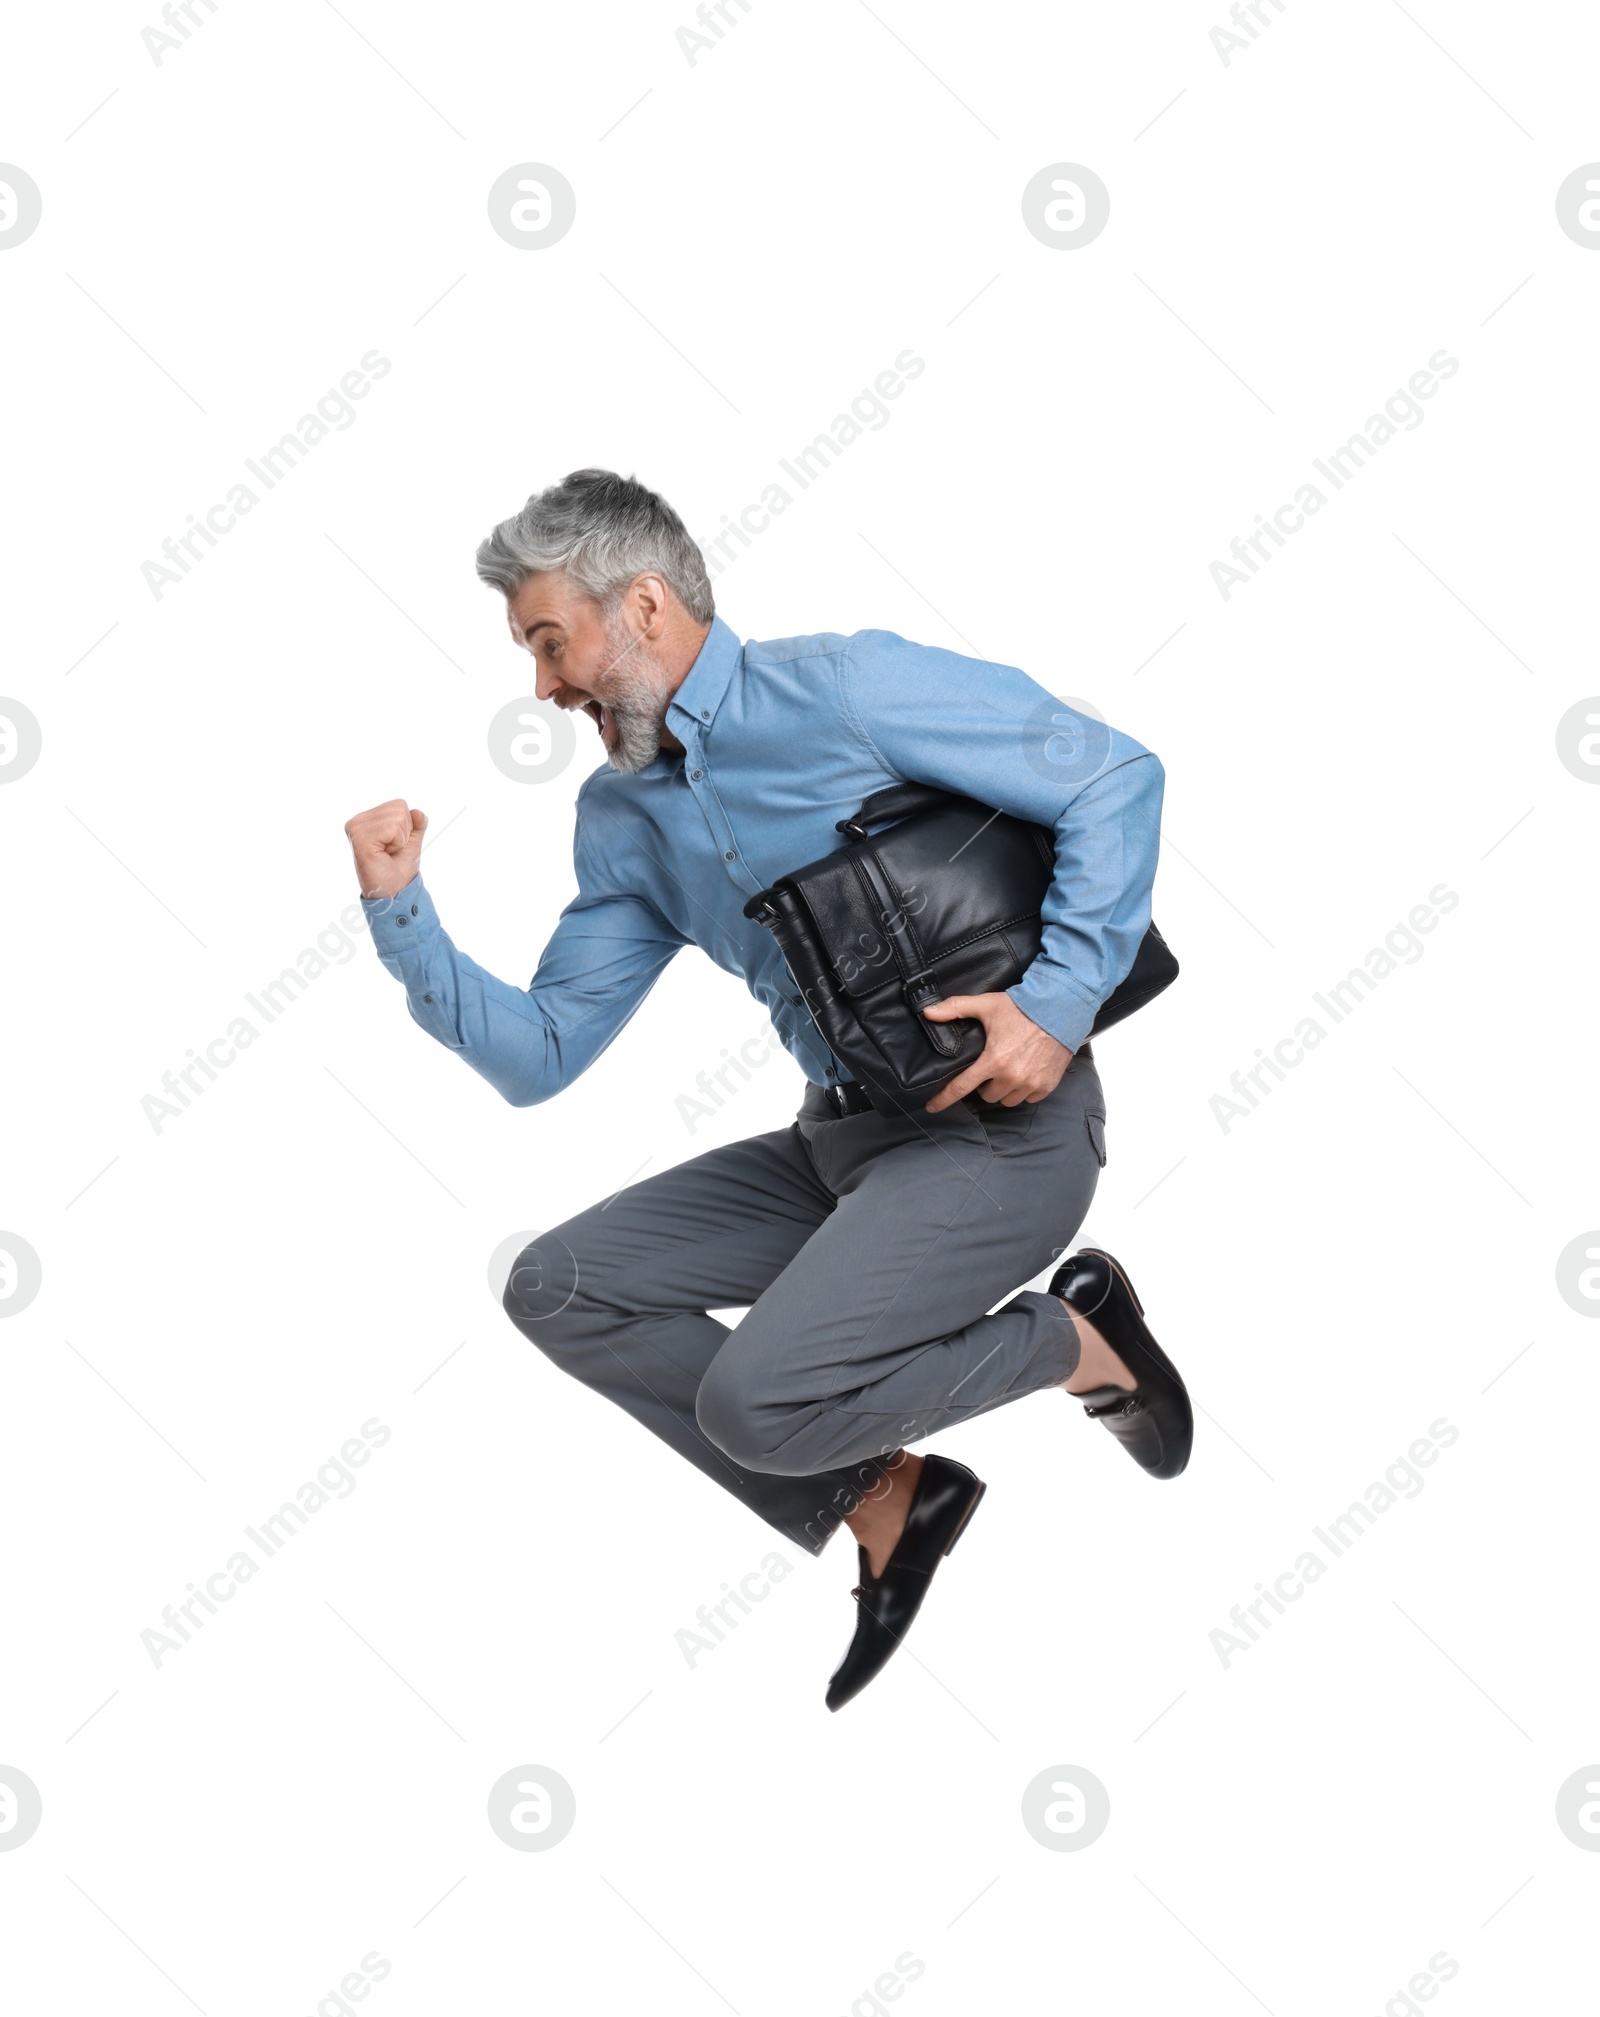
(847, 1100)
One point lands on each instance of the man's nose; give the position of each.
(546, 681)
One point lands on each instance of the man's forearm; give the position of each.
(601, 961)
(1097, 908)
(491, 1025)
(498, 1029)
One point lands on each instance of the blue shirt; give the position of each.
(780, 741)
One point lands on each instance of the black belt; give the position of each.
(847, 1099)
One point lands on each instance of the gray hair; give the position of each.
(601, 530)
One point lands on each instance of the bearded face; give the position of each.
(589, 659)
(630, 697)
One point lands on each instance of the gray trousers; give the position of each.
(868, 1250)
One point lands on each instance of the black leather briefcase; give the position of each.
(945, 902)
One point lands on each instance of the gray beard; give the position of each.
(636, 691)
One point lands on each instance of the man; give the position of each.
(869, 1249)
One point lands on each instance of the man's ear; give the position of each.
(649, 595)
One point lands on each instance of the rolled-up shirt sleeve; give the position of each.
(995, 735)
(607, 951)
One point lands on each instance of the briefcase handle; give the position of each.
(897, 801)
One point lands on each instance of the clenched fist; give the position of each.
(387, 845)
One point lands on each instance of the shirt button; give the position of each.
(696, 775)
(832, 1073)
(413, 910)
(730, 855)
(402, 919)
(795, 999)
(705, 714)
(427, 997)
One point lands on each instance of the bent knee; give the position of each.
(731, 1416)
(541, 1292)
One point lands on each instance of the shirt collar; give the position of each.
(706, 681)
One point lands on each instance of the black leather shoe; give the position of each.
(946, 1497)
(1154, 1423)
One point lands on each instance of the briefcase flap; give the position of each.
(902, 902)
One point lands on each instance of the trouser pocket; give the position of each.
(1096, 1124)
(1001, 1124)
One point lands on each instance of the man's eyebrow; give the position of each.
(544, 623)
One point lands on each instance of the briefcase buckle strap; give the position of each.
(921, 990)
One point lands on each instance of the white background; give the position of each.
(226, 1300)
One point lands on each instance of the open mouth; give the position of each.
(599, 714)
